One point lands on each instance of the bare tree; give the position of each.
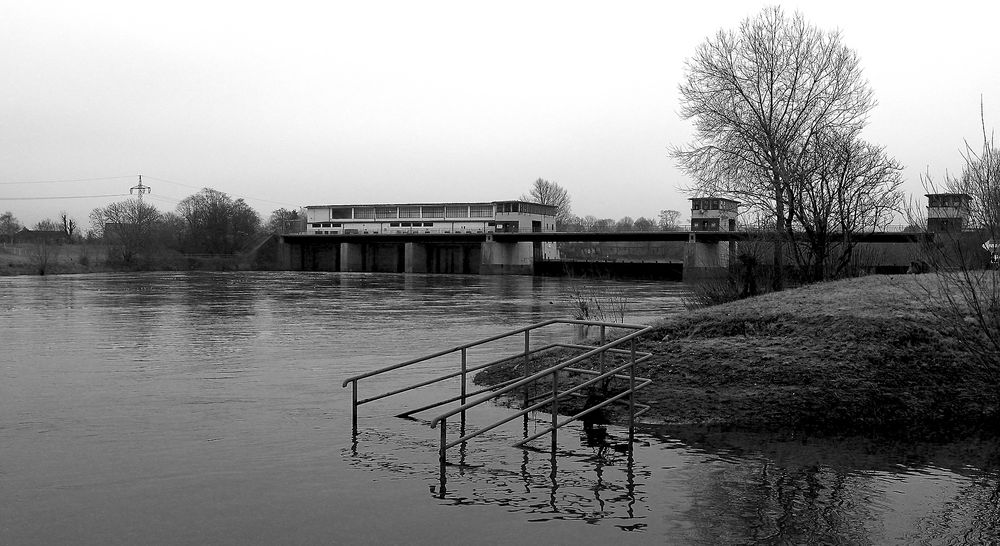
(550, 193)
(966, 279)
(68, 225)
(668, 219)
(758, 98)
(284, 221)
(624, 224)
(48, 225)
(8, 226)
(643, 224)
(216, 223)
(127, 226)
(846, 187)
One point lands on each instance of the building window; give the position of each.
(386, 212)
(433, 211)
(409, 212)
(340, 213)
(456, 212)
(364, 213)
(481, 211)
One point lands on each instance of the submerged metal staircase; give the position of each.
(563, 378)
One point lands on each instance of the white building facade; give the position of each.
(480, 217)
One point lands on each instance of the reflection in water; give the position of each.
(207, 408)
(570, 482)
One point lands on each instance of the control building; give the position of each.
(495, 216)
(948, 211)
(431, 250)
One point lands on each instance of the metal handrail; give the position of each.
(549, 401)
(353, 380)
(534, 377)
(490, 339)
(510, 385)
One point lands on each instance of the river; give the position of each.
(207, 408)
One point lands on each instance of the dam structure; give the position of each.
(423, 238)
(521, 238)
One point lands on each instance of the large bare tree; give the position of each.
(216, 223)
(127, 226)
(549, 193)
(758, 97)
(845, 187)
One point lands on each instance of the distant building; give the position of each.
(479, 217)
(28, 236)
(713, 214)
(948, 211)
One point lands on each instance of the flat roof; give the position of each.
(432, 204)
(719, 198)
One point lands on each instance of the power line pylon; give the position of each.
(140, 189)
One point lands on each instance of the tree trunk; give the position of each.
(778, 276)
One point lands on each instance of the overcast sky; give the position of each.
(289, 103)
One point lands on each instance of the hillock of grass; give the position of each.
(859, 356)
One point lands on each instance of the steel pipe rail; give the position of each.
(534, 377)
(464, 371)
(533, 407)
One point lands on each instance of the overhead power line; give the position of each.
(63, 197)
(233, 194)
(63, 180)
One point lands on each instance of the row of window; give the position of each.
(391, 224)
(413, 211)
(948, 200)
(714, 204)
(525, 208)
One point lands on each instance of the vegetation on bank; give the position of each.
(61, 259)
(858, 356)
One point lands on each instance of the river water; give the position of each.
(207, 408)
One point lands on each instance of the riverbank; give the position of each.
(63, 259)
(57, 259)
(859, 356)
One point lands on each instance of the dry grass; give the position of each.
(857, 356)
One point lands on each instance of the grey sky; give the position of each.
(297, 103)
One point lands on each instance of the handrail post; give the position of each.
(604, 340)
(354, 406)
(464, 369)
(444, 442)
(555, 406)
(631, 396)
(527, 364)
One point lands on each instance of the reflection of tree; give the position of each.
(758, 501)
(971, 516)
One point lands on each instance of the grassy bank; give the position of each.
(860, 356)
(31, 259)
(61, 259)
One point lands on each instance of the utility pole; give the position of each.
(140, 189)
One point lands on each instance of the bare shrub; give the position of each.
(598, 303)
(965, 280)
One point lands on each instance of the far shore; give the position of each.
(864, 356)
(69, 259)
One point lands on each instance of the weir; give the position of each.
(701, 254)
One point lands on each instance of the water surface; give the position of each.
(193, 408)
